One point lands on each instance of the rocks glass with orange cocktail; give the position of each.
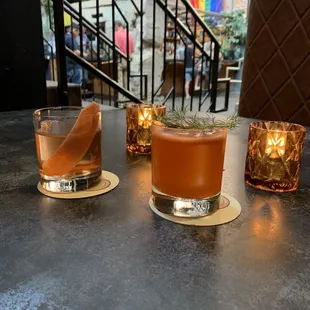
(68, 142)
(187, 163)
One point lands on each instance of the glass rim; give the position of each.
(38, 112)
(161, 125)
(146, 106)
(299, 128)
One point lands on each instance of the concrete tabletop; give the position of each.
(112, 252)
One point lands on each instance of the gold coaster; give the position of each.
(229, 210)
(108, 182)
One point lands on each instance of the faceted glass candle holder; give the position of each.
(139, 121)
(274, 156)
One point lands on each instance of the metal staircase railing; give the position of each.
(185, 29)
(62, 52)
(99, 74)
(90, 26)
(192, 35)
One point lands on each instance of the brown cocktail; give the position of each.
(68, 142)
(187, 168)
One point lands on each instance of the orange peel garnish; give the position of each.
(76, 144)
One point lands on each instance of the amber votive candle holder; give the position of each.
(274, 155)
(139, 121)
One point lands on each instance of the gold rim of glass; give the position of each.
(145, 106)
(38, 112)
(162, 125)
(299, 128)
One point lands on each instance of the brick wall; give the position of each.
(226, 5)
(241, 4)
(238, 4)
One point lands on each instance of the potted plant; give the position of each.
(235, 34)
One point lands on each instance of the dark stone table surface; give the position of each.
(112, 252)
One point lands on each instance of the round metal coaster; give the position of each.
(228, 211)
(108, 182)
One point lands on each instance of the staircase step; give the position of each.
(103, 107)
(87, 93)
(74, 94)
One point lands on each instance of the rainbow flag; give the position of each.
(208, 5)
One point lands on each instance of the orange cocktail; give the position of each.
(187, 163)
(68, 142)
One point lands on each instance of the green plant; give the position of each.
(179, 119)
(47, 10)
(235, 28)
(47, 6)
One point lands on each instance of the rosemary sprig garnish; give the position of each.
(179, 119)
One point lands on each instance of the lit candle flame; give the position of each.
(275, 144)
(145, 118)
